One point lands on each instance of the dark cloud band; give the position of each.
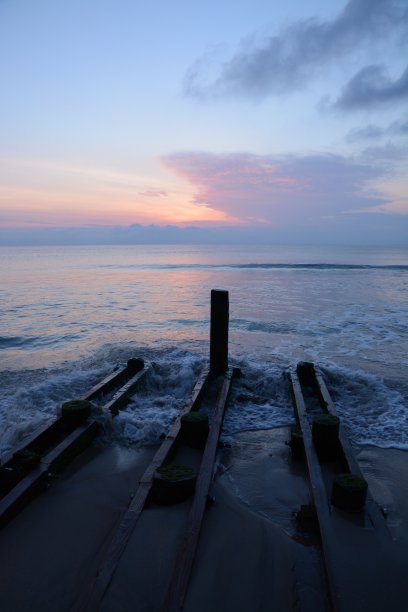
(371, 87)
(285, 62)
(375, 132)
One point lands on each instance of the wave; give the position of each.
(374, 413)
(255, 266)
(32, 342)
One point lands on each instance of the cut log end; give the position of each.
(173, 483)
(349, 492)
(194, 429)
(75, 412)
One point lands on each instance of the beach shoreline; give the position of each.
(251, 550)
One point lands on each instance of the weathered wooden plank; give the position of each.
(185, 557)
(54, 461)
(49, 438)
(115, 379)
(22, 493)
(61, 447)
(128, 522)
(318, 495)
(121, 397)
(373, 511)
(60, 456)
(45, 438)
(219, 331)
(46, 435)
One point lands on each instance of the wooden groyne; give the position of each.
(338, 529)
(184, 561)
(212, 391)
(347, 458)
(168, 454)
(141, 545)
(27, 470)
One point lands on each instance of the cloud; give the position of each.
(375, 132)
(387, 158)
(368, 132)
(375, 229)
(153, 193)
(286, 61)
(370, 87)
(94, 234)
(399, 128)
(229, 182)
(284, 191)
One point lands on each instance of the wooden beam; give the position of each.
(37, 479)
(185, 557)
(318, 494)
(60, 447)
(44, 435)
(219, 331)
(130, 517)
(374, 513)
(121, 397)
(115, 379)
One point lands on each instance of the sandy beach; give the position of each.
(253, 554)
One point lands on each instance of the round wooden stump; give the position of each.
(349, 492)
(306, 373)
(194, 429)
(173, 484)
(325, 432)
(25, 460)
(135, 364)
(74, 413)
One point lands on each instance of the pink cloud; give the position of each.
(277, 189)
(153, 193)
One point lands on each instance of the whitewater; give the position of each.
(70, 315)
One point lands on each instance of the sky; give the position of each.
(240, 121)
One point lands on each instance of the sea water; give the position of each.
(70, 315)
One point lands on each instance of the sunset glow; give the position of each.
(292, 117)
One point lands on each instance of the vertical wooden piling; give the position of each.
(219, 331)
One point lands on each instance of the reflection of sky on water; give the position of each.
(70, 315)
(61, 302)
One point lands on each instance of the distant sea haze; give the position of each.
(71, 314)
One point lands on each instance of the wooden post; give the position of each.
(219, 331)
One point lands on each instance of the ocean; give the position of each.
(70, 315)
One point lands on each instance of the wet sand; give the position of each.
(253, 554)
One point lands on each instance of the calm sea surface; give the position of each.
(69, 315)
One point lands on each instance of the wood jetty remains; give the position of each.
(27, 471)
(191, 439)
(347, 518)
(346, 514)
(184, 442)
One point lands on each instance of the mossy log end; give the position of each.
(194, 429)
(349, 492)
(135, 364)
(306, 373)
(329, 422)
(173, 483)
(17, 468)
(325, 432)
(75, 412)
(25, 460)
